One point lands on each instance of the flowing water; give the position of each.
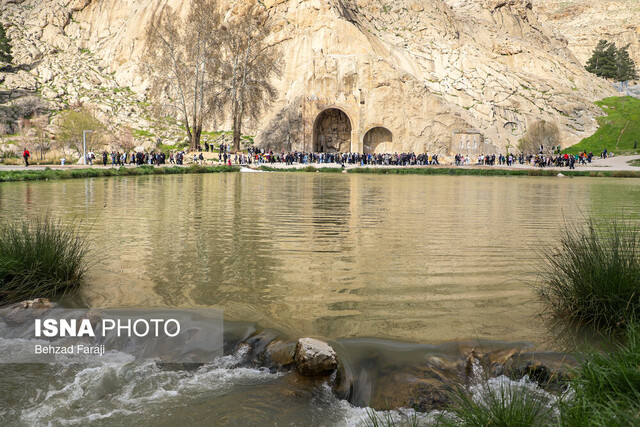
(422, 259)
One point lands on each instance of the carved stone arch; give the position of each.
(332, 131)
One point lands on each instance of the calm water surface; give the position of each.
(416, 258)
(425, 259)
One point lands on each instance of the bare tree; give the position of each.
(182, 58)
(541, 137)
(39, 124)
(125, 139)
(72, 126)
(26, 132)
(250, 65)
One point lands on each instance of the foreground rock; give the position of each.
(25, 311)
(315, 358)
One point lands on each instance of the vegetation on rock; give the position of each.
(611, 62)
(5, 46)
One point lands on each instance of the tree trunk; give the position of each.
(237, 134)
(194, 143)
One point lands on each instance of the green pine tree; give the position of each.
(626, 68)
(593, 64)
(603, 61)
(609, 66)
(5, 46)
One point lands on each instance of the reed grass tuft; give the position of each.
(40, 257)
(593, 277)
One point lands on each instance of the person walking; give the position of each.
(26, 155)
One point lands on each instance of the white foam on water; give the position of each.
(342, 413)
(118, 389)
(115, 389)
(249, 170)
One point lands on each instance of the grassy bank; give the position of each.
(619, 130)
(464, 171)
(40, 258)
(604, 390)
(35, 175)
(593, 277)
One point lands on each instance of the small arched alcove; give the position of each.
(378, 140)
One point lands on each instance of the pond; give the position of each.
(422, 259)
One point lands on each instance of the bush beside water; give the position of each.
(605, 389)
(499, 405)
(40, 258)
(594, 276)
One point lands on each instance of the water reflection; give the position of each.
(426, 259)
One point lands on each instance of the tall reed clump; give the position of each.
(499, 404)
(605, 388)
(593, 277)
(40, 257)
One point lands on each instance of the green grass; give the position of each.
(176, 147)
(36, 175)
(499, 404)
(40, 258)
(593, 277)
(606, 386)
(618, 131)
(387, 419)
(143, 133)
(603, 390)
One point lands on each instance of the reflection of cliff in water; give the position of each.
(221, 251)
(419, 258)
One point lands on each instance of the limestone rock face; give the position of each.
(584, 23)
(439, 76)
(314, 357)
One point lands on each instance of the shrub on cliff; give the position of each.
(5, 46)
(40, 258)
(593, 277)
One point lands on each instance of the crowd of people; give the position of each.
(261, 156)
(258, 156)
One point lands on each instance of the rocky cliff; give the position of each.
(584, 23)
(402, 75)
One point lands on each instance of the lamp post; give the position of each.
(84, 145)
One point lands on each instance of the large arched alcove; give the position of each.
(332, 132)
(378, 140)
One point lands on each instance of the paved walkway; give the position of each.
(620, 163)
